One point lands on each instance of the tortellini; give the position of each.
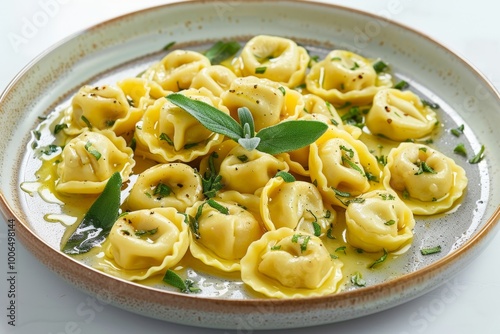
(425, 179)
(276, 58)
(95, 107)
(380, 220)
(89, 160)
(168, 134)
(146, 242)
(226, 226)
(343, 76)
(176, 70)
(247, 171)
(140, 94)
(173, 185)
(342, 167)
(216, 78)
(268, 101)
(400, 115)
(288, 264)
(297, 205)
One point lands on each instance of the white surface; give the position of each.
(47, 304)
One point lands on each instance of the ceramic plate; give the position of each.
(126, 45)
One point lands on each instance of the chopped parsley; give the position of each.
(478, 157)
(401, 85)
(431, 250)
(458, 131)
(141, 233)
(357, 279)
(379, 66)
(260, 70)
(390, 222)
(380, 260)
(423, 167)
(460, 149)
(92, 151)
(165, 137)
(59, 127)
(162, 190)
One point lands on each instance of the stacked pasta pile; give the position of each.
(269, 217)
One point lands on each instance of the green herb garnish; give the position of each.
(379, 66)
(59, 127)
(423, 167)
(458, 131)
(222, 209)
(94, 152)
(260, 70)
(429, 251)
(357, 279)
(168, 46)
(287, 177)
(221, 51)
(478, 157)
(162, 190)
(165, 137)
(430, 104)
(283, 137)
(401, 85)
(141, 233)
(390, 222)
(97, 222)
(186, 286)
(460, 149)
(211, 181)
(341, 249)
(86, 121)
(380, 260)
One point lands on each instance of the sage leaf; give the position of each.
(289, 135)
(210, 117)
(246, 117)
(98, 221)
(221, 51)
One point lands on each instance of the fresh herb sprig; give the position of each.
(98, 221)
(283, 137)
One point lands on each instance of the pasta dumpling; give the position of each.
(146, 242)
(425, 179)
(247, 171)
(89, 160)
(225, 228)
(400, 115)
(95, 107)
(176, 70)
(174, 185)
(268, 101)
(275, 58)
(140, 94)
(344, 76)
(297, 205)
(342, 167)
(168, 133)
(215, 78)
(288, 264)
(379, 221)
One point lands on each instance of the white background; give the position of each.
(47, 304)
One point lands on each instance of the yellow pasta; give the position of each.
(275, 58)
(425, 179)
(343, 76)
(145, 242)
(287, 264)
(89, 160)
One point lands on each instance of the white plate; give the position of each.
(432, 70)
